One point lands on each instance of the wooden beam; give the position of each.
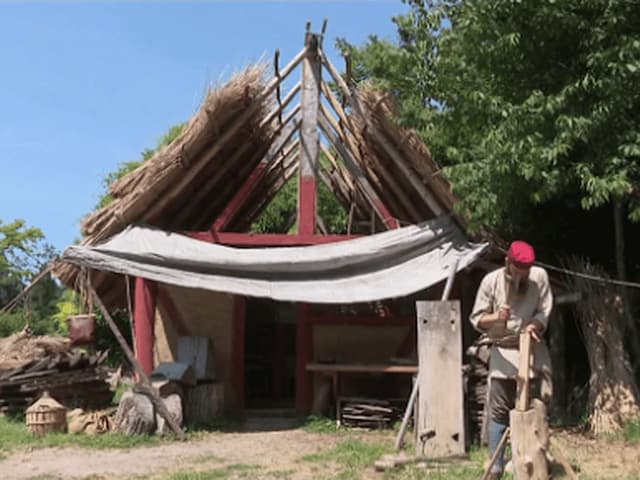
(347, 136)
(145, 384)
(378, 206)
(353, 102)
(219, 173)
(277, 175)
(267, 239)
(254, 178)
(309, 137)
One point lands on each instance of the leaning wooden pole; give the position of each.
(144, 386)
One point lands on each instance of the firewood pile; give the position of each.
(30, 365)
(476, 374)
(369, 413)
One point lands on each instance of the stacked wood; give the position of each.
(476, 372)
(31, 365)
(369, 413)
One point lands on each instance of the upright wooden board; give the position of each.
(440, 425)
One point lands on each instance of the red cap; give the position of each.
(521, 254)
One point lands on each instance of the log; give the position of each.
(530, 442)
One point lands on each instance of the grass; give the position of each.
(316, 424)
(350, 456)
(631, 431)
(238, 470)
(14, 435)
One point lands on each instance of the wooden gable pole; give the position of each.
(309, 136)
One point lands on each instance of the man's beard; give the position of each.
(517, 285)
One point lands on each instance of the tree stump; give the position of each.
(135, 415)
(530, 442)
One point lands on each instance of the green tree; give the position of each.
(23, 254)
(522, 101)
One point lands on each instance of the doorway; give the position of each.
(269, 350)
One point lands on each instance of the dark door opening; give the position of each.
(270, 339)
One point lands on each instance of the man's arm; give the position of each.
(483, 318)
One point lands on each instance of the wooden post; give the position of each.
(144, 307)
(144, 385)
(309, 135)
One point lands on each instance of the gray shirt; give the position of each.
(532, 305)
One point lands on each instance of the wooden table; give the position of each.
(335, 369)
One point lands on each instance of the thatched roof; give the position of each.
(187, 184)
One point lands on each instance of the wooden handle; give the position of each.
(522, 402)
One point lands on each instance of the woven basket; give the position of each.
(46, 415)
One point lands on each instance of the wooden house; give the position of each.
(214, 180)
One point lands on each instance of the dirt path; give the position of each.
(272, 451)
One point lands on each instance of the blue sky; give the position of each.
(86, 86)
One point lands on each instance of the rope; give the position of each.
(586, 276)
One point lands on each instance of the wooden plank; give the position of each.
(440, 423)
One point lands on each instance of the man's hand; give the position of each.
(535, 331)
(504, 313)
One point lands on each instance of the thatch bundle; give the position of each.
(394, 152)
(614, 398)
(186, 184)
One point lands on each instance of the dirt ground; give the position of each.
(272, 451)
(275, 454)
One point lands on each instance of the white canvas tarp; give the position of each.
(395, 263)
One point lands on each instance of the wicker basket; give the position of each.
(46, 415)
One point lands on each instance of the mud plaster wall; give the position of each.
(203, 313)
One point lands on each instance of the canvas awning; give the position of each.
(391, 264)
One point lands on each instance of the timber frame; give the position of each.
(215, 179)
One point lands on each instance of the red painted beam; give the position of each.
(238, 199)
(266, 239)
(167, 304)
(306, 205)
(237, 350)
(144, 308)
(389, 220)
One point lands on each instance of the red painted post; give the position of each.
(144, 309)
(237, 350)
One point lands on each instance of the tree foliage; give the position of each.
(522, 101)
(23, 254)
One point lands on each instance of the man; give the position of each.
(512, 299)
